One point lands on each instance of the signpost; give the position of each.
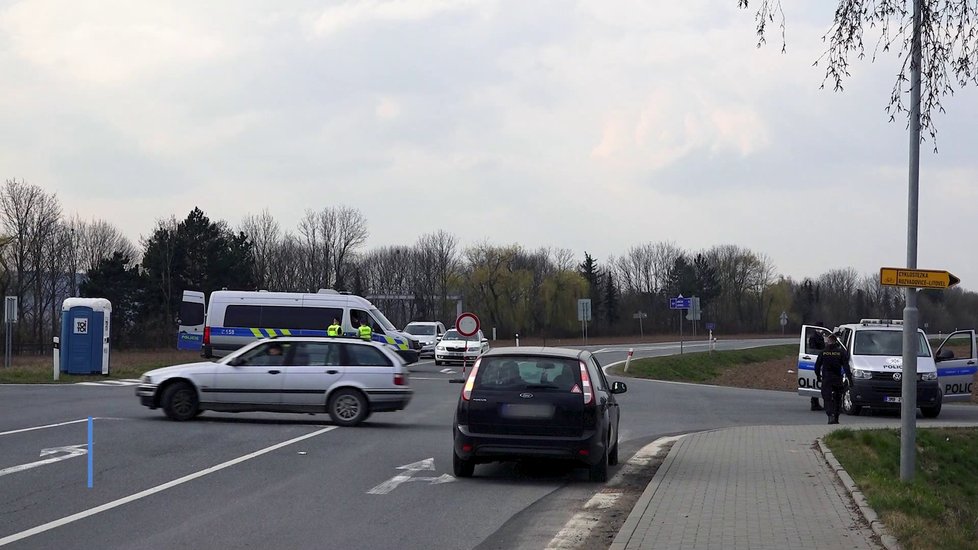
(917, 278)
(584, 315)
(784, 321)
(680, 303)
(640, 315)
(467, 324)
(912, 279)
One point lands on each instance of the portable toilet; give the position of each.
(85, 335)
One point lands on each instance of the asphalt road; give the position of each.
(294, 481)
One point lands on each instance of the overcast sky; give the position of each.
(591, 125)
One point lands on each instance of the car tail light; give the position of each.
(586, 385)
(400, 379)
(207, 336)
(470, 382)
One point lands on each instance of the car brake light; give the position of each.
(586, 385)
(207, 336)
(400, 379)
(470, 382)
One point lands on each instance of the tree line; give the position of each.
(46, 257)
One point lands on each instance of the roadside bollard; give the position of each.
(57, 358)
(628, 358)
(517, 339)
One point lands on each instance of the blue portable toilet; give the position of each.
(85, 335)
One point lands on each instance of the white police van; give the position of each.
(235, 318)
(876, 358)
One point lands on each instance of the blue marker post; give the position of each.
(90, 429)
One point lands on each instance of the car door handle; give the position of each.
(807, 358)
(274, 371)
(331, 371)
(971, 362)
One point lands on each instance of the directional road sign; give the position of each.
(680, 303)
(640, 315)
(584, 309)
(917, 278)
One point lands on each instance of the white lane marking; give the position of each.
(448, 371)
(153, 490)
(427, 464)
(46, 426)
(579, 527)
(72, 450)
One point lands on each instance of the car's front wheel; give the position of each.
(348, 407)
(613, 454)
(180, 401)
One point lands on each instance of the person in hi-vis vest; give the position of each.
(335, 329)
(365, 331)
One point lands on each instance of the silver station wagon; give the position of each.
(345, 377)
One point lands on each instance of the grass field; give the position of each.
(939, 509)
(705, 366)
(122, 364)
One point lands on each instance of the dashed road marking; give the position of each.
(119, 382)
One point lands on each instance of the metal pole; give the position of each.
(908, 407)
(681, 331)
(641, 330)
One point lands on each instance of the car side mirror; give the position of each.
(236, 362)
(618, 387)
(438, 338)
(485, 340)
(944, 355)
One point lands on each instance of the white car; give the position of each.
(426, 333)
(346, 377)
(454, 348)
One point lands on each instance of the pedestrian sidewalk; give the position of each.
(762, 487)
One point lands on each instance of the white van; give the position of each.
(235, 318)
(876, 359)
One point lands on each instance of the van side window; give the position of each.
(361, 315)
(242, 316)
(365, 356)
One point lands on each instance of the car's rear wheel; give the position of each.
(180, 401)
(462, 467)
(347, 407)
(599, 472)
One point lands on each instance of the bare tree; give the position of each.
(263, 231)
(350, 234)
(97, 240)
(949, 45)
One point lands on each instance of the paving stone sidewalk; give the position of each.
(761, 487)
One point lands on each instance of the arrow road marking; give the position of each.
(448, 371)
(427, 464)
(71, 450)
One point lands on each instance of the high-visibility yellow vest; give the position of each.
(365, 332)
(334, 330)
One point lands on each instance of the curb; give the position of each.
(870, 515)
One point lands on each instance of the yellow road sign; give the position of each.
(917, 278)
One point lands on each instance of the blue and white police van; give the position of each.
(234, 318)
(876, 358)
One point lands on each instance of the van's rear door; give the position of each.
(810, 345)
(956, 373)
(190, 321)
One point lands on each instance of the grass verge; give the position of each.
(939, 509)
(703, 366)
(122, 364)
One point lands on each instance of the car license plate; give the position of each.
(511, 410)
(888, 399)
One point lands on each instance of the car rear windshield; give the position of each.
(519, 373)
(420, 330)
(886, 343)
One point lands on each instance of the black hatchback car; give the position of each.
(552, 403)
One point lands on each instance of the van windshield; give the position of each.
(382, 320)
(886, 343)
(420, 330)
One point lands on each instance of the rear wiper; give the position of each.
(541, 387)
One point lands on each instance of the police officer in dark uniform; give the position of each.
(830, 367)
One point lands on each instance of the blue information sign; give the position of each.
(680, 303)
(711, 326)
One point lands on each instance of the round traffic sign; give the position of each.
(467, 324)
